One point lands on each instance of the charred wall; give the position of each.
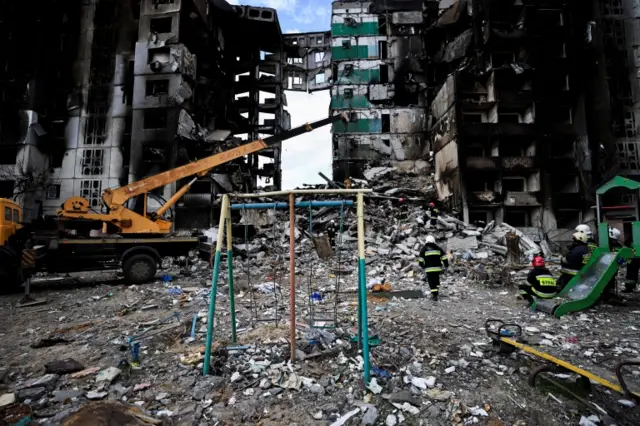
(98, 93)
(509, 130)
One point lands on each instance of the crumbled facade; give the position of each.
(111, 91)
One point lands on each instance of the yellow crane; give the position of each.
(129, 222)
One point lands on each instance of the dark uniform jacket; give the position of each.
(542, 282)
(432, 258)
(577, 257)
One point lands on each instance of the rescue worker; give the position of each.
(433, 214)
(433, 260)
(609, 293)
(540, 282)
(592, 245)
(577, 257)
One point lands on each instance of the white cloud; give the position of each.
(233, 1)
(294, 31)
(306, 155)
(309, 13)
(279, 5)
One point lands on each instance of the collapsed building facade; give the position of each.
(519, 108)
(98, 93)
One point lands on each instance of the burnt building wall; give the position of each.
(509, 123)
(99, 93)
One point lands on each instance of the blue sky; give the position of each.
(306, 155)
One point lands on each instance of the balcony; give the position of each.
(521, 199)
(506, 163)
(484, 198)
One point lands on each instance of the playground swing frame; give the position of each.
(225, 227)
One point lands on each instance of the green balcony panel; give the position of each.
(355, 102)
(362, 125)
(360, 29)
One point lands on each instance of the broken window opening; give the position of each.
(8, 154)
(318, 57)
(157, 2)
(320, 78)
(472, 117)
(513, 184)
(348, 93)
(476, 216)
(516, 218)
(297, 60)
(386, 142)
(346, 44)
(6, 188)
(382, 25)
(319, 40)
(384, 74)
(511, 148)
(297, 81)
(92, 162)
(53, 192)
(98, 100)
(155, 119)
(95, 131)
(91, 190)
(478, 185)
(386, 123)
(567, 219)
(502, 59)
(382, 49)
(509, 117)
(565, 184)
(159, 55)
(551, 18)
(348, 69)
(135, 9)
(157, 87)
(475, 151)
(160, 25)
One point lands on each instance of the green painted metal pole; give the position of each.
(232, 295)
(214, 284)
(362, 290)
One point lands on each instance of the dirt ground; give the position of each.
(419, 338)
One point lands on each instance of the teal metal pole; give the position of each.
(214, 284)
(362, 291)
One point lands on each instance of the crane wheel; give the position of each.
(9, 270)
(139, 268)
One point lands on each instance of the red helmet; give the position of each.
(432, 204)
(401, 200)
(538, 261)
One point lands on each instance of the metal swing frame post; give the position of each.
(363, 322)
(292, 276)
(224, 212)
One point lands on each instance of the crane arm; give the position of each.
(118, 196)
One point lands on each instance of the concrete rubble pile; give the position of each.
(431, 362)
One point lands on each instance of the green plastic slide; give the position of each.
(586, 287)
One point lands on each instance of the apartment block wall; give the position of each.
(377, 76)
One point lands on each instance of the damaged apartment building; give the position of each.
(520, 108)
(98, 93)
(531, 107)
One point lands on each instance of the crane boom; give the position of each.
(133, 223)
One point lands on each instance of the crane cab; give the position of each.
(10, 218)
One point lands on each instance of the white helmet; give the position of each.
(580, 236)
(430, 239)
(614, 233)
(584, 228)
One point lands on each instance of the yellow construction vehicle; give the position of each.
(136, 241)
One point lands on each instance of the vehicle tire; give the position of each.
(139, 268)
